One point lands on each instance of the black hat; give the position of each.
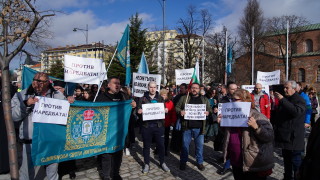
(59, 83)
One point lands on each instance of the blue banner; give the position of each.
(92, 129)
(123, 53)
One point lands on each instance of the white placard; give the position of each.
(140, 83)
(250, 88)
(268, 78)
(183, 76)
(235, 114)
(153, 111)
(49, 110)
(195, 112)
(83, 70)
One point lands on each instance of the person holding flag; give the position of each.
(192, 128)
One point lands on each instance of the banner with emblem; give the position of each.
(92, 129)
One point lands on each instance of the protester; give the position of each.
(170, 117)
(222, 92)
(176, 139)
(109, 163)
(66, 167)
(130, 139)
(212, 127)
(250, 149)
(94, 89)
(308, 112)
(274, 101)
(22, 105)
(87, 95)
(289, 128)
(78, 93)
(218, 143)
(310, 166)
(152, 129)
(314, 105)
(4, 155)
(261, 100)
(192, 128)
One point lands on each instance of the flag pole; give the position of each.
(99, 85)
(112, 58)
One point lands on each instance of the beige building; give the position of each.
(94, 50)
(174, 51)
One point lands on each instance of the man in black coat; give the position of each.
(109, 163)
(289, 128)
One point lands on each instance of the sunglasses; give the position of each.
(40, 81)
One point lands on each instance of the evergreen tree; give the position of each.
(138, 44)
(56, 70)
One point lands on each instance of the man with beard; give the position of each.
(22, 105)
(192, 128)
(109, 163)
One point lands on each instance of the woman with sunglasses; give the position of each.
(250, 149)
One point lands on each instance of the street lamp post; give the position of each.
(85, 32)
(164, 35)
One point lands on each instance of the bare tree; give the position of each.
(19, 21)
(253, 17)
(193, 30)
(276, 28)
(216, 53)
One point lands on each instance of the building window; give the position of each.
(302, 75)
(294, 47)
(309, 45)
(318, 74)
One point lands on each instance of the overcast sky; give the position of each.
(107, 18)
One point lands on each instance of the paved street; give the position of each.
(132, 166)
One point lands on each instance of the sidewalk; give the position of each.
(132, 166)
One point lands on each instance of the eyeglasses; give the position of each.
(40, 81)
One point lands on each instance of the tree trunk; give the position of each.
(12, 146)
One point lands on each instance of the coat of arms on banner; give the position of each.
(86, 127)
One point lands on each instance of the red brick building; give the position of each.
(304, 54)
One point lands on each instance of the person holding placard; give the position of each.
(193, 128)
(22, 105)
(152, 128)
(250, 149)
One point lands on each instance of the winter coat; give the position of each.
(311, 163)
(180, 107)
(257, 145)
(289, 123)
(22, 112)
(171, 116)
(146, 99)
(263, 101)
(308, 107)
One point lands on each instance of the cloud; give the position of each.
(63, 25)
(59, 4)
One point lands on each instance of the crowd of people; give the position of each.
(276, 120)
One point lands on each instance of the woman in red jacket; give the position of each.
(170, 118)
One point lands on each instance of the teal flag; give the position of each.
(27, 78)
(92, 129)
(143, 66)
(123, 53)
